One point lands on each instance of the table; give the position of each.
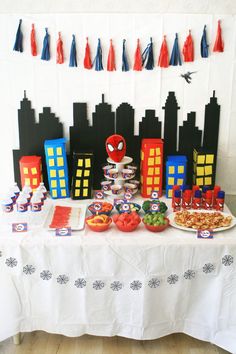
(139, 285)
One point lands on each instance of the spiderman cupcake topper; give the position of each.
(116, 147)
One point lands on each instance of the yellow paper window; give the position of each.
(54, 193)
(170, 192)
(200, 171)
(180, 169)
(25, 171)
(171, 181)
(80, 162)
(156, 180)
(53, 173)
(158, 151)
(60, 161)
(152, 151)
(86, 173)
(149, 190)
(142, 155)
(51, 162)
(50, 152)
(157, 170)
(63, 192)
(201, 159)
(208, 170)
(53, 183)
(209, 159)
(149, 180)
(180, 181)
(62, 183)
(199, 181)
(59, 151)
(150, 171)
(77, 183)
(35, 181)
(150, 161)
(85, 192)
(85, 183)
(171, 170)
(78, 173)
(208, 181)
(77, 192)
(61, 173)
(141, 179)
(34, 171)
(194, 155)
(87, 163)
(27, 181)
(157, 160)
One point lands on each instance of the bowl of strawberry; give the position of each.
(127, 222)
(97, 208)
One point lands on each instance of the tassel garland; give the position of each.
(163, 60)
(137, 58)
(111, 66)
(125, 64)
(87, 59)
(204, 45)
(18, 46)
(98, 59)
(147, 56)
(188, 49)
(46, 51)
(33, 41)
(73, 59)
(219, 44)
(175, 58)
(60, 54)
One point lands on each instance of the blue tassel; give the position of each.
(19, 39)
(175, 58)
(125, 64)
(73, 59)
(147, 56)
(45, 51)
(204, 45)
(98, 59)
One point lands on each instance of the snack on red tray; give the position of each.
(61, 217)
(203, 221)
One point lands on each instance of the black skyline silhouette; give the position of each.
(105, 122)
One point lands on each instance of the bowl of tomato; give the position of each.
(97, 208)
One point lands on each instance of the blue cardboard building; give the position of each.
(176, 168)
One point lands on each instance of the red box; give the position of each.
(31, 171)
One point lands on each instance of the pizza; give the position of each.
(203, 221)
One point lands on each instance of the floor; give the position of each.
(44, 343)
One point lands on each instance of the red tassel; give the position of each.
(163, 60)
(219, 44)
(137, 58)
(33, 42)
(111, 58)
(87, 59)
(188, 49)
(60, 55)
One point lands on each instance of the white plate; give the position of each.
(173, 223)
(76, 223)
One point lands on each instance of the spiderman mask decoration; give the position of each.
(116, 147)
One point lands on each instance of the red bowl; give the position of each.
(127, 228)
(157, 228)
(96, 228)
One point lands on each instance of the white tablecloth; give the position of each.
(139, 285)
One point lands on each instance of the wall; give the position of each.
(60, 86)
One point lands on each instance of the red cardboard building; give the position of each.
(31, 171)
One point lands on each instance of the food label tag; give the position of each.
(99, 195)
(205, 233)
(154, 194)
(20, 227)
(64, 231)
(155, 207)
(119, 201)
(128, 196)
(125, 207)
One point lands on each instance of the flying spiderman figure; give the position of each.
(187, 76)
